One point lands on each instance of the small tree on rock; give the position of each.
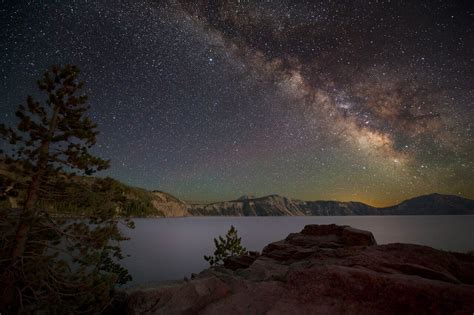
(225, 248)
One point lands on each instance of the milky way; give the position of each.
(208, 100)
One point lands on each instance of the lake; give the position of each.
(172, 248)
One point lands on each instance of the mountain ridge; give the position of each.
(140, 202)
(431, 204)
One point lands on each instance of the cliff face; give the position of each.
(169, 205)
(278, 205)
(324, 269)
(273, 205)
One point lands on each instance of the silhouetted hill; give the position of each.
(433, 204)
(79, 195)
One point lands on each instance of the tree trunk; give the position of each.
(23, 229)
(32, 194)
(21, 236)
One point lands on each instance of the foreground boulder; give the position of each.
(324, 269)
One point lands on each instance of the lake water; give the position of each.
(172, 248)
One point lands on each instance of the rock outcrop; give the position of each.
(324, 269)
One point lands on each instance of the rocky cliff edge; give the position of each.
(324, 269)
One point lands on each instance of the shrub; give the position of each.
(228, 247)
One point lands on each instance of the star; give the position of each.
(210, 101)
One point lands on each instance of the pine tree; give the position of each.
(228, 247)
(52, 141)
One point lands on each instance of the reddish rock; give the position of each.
(344, 234)
(177, 298)
(325, 269)
(240, 262)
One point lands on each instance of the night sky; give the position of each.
(369, 101)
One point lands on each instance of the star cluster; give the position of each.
(358, 100)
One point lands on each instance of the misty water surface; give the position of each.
(172, 248)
